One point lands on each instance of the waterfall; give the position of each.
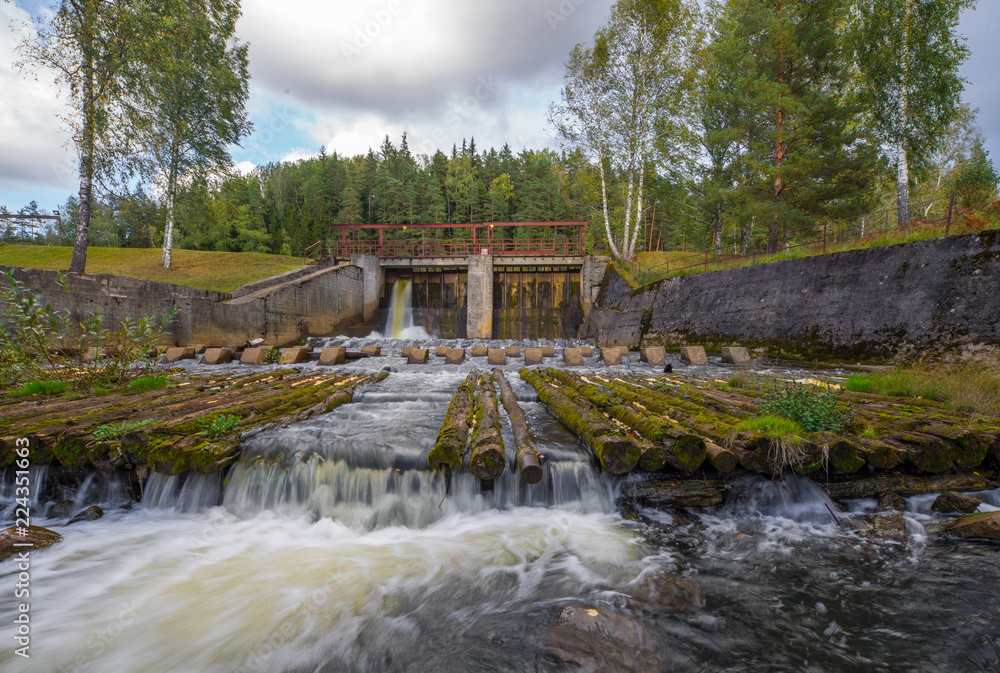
(399, 322)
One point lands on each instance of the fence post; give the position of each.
(951, 209)
(824, 238)
(706, 260)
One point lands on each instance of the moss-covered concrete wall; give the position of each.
(937, 297)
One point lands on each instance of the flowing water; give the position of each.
(399, 321)
(326, 550)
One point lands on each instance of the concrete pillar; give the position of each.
(374, 283)
(591, 276)
(479, 298)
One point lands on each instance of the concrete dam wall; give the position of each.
(938, 296)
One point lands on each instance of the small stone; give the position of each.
(532, 356)
(417, 356)
(372, 351)
(441, 351)
(955, 503)
(573, 357)
(255, 356)
(295, 355)
(658, 590)
(694, 355)
(92, 513)
(891, 500)
(175, 354)
(654, 355)
(332, 355)
(217, 356)
(985, 525)
(735, 355)
(497, 356)
(480, 351)
(455, 356)
(611, 356)
(548, 351)
(513, 351)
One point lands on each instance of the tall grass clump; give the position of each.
(972, 388)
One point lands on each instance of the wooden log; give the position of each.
(681, 449)
(488, 460)
(448, 451)
(667, 493)
(616, 453)
(721, 459)
(850, 488)
(529, 467)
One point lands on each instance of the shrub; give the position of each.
(815, 409)
(217, 425)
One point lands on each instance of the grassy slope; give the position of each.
(220, 271)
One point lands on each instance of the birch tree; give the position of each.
(621, 96)
(907, 53)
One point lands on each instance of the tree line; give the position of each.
(683, 127)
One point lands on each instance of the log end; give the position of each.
(529, 467)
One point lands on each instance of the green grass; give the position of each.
(40, 388)
(972, 388)
(113, 431)
(144, 383)
(773, 426)
(219, 271)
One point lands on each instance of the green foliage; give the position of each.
(217, 425)
(113, 431)
(39, 388)
(100, 391)
(777, 427)
(38, 342)
(976, 182)
(144, 383)
(815, 409)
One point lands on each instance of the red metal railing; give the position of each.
(487, 238)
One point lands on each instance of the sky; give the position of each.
(345, 74)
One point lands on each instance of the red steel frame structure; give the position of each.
(485, 239)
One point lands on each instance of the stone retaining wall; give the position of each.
(938, 296)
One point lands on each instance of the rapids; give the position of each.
(326, 549)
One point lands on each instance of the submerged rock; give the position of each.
(60, 510)
(661, 591)
(891, 500)
(889, 528)
(985, 525)
(955, 503)
(34, 536)
(600, 641)
(90, 514)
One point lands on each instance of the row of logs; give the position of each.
(474, 408)
(686, 425)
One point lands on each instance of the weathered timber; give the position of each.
(926, 452)
(488, 460)
(850, 488)
(529, 467)
(723, 460)
(449, 449)
(665, 493)
(616, 453)
(673, 445)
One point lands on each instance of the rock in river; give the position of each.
(952, 503)
(35, 536)
(600, 640)
(90, 514)
(984, 525)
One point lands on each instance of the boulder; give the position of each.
(332, 355)
(598, 639)
(891, 500)
(372, 351)
(735, 355)
(611, 356)
(955, 503)
(417, 356)
(480, 351)
(60, 510)
(654, 355)
(694, 355)
(985, 525)
(548, 351)
(532, 356)
(497, 356)
(175, 354)
(35, 537)
(294, 355)
(217, 356)
(455, 356)
(889, 528)
(255, 356)
(658, 590)
(92, 513)
(513, 351)
(573, 357)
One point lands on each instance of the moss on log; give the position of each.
(448, 451)
(616, 453)
(488, 459)
(529, 467)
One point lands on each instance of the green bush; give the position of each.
(815, 409)
(217, 425)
